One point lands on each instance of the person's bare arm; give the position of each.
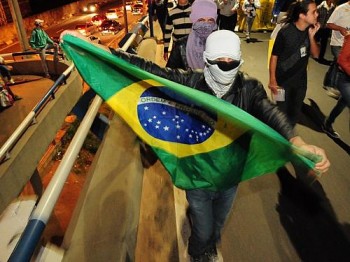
(323, 165)
(272, 70)
(314, 47)
(335, 27)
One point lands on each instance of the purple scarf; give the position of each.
(196, 43)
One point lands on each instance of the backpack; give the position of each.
(6, 98)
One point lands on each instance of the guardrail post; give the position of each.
(150, 16)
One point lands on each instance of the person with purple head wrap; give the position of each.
(188, 51)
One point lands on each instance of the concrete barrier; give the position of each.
(25, 156)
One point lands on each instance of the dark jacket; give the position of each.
(177, 58)
(246, 93)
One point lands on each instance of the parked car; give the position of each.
(86, 29)
(98, 19)
(137, 9)
(120, 12)
(91, 8)
(111, 14)
(110, 27)
(128, 5)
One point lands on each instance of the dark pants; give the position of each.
(249, 23)
(294, 97)
(162, 21)
(228, 22)
(42, 55)
(343, 84)
(322, 36)
(5, 72)
(208, 212)
(335, 51)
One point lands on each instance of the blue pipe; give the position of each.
(27, 243)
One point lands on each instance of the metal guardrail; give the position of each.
(30, 118)
(37, 223)
(29, 53)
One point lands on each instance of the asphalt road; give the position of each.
(70, 24)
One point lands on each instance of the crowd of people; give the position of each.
(301, 36)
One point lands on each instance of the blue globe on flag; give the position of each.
(166, 119)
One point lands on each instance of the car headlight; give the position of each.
(92, 8)
(85, 9)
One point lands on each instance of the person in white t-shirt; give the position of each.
(339, 22)
(227, 14)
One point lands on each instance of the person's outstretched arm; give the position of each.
(324, 163)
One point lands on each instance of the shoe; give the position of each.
(212, 255)
(328, 129)
(324, 61)
(332, 92)
(48, 76)
(10, 81)
(201, 258)
(16, 98)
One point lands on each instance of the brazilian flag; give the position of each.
(202, 141)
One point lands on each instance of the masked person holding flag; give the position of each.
(221, 78)
(209, 178)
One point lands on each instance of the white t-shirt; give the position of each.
(226, 7)
(340, 17)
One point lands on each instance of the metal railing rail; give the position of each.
(6, 55)
(30, 118)
(29, 53)
(35, 53)
(38, 220)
